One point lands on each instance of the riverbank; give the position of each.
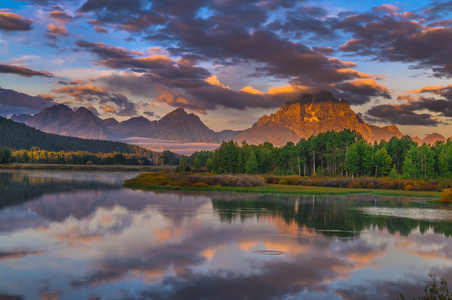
(85, 167)
(164, 181)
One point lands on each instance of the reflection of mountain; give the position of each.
(329, 216)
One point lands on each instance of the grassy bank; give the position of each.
(84, 167)
(172, 181)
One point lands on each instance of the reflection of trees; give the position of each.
(17, 188)
(330, 216)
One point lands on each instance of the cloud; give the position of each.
(13, 22)
(361, 91)
(306, 20)
(12, 102)
(100, 29)
(104, 51)
(395, 37)
(22, 71)
(402, 114)
(440, 107)
(110, 102)
(60, 16)
(232, 33)
(54, 31)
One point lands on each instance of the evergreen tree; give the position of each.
(411, 165)
(445, 160)
(209, 164)
(382, 162)
(251, 165)
(359, 160)
(393, 174)
(5, 155)
(196, 164)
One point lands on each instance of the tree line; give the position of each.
(38, 156)
(332, 154)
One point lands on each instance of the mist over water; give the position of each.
(76, 235)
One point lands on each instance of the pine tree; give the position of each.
(411, 165)
(251, 165)
(196, 164)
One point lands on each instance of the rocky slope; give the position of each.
(180, 126)
(62, 120)
(310, 115)
(177, 125)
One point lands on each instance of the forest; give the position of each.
(38, 156)
(343, 153)
(20, 136)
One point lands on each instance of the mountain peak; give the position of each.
(433, 138)
(177, 112)
(308, 115)
(321, 97)
(83, 111)
(58, 107)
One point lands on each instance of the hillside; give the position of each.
(20, 136)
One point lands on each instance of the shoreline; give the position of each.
(294, 190)
(67, 167)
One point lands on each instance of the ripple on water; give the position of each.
(411, 213)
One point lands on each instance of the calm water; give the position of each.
(76, 235)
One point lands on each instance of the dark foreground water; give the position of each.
(80, 235)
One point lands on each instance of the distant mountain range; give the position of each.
(306, 116)
(177, 125)
(20, 136)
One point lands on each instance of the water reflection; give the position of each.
(93, 238)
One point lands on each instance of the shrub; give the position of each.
(282, 181)
(200, 185)
(89, 163)
(408, 187)
(354, 185)
(446, 196)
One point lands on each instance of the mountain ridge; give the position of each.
(305, 116)
(177, 125)
(310, 115)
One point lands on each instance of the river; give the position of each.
(81, 235)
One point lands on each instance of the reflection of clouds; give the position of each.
(13, 220)
(218, 254)
(178, 246)
(428, 245)
(15, 254)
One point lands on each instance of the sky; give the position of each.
(229, 61)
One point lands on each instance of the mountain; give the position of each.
(226, 135)
(433, 138)
(307, 116)
(20, 136)
(310, 115)
(20, 118)
(385, 133)
(177, 125)
(180, 126)
(60, 119)
(133, 127)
